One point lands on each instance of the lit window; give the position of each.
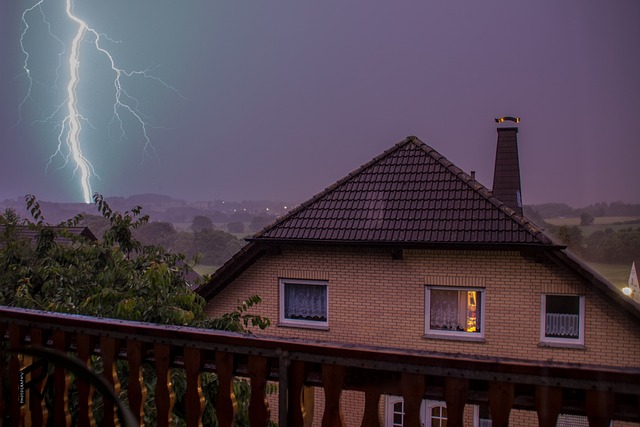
(454, 311)
(304, 302)
(562, 319)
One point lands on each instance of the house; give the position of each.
(410, 252)
(62, 234)
(633, 289)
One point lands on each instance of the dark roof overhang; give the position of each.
(410, 244)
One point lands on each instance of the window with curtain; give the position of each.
(562, 319)
(454, 311)
(304, 302)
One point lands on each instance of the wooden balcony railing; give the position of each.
(602, 394)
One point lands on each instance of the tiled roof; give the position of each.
(25, 232)
(408, 194)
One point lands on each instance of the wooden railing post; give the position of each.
(548, 404)
(37, 405)
(599, 408)
(17, 409)
(300, 399)
(259, 413)
(85, 345)
(413, 388)
(332, 382)
(3, 369)
(371, 417)
(61, 380)
(164, 389)
(136, 390)
(194, 399)
(501, 398)
(110, 348)
(455, 394)
(226, 405)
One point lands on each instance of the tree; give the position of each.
(572, 237)
(116, 277)
(619, 246)
(586, 218)
(201, 222)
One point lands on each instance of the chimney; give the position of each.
(506, 176)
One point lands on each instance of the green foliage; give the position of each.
(613, 246)
(571, 236)
(50, 268)
(239, 319)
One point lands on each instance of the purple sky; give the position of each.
(279, 99)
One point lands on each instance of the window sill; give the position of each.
(454, 337)
(302, 326)
(574, 346)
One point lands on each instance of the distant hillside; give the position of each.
(558, 210)
(160, 208)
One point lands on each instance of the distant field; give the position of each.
(618, 274)
(604, 220)
(599, 224)
(205, 269)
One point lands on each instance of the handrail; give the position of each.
(361, 368)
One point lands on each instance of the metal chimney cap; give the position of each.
(508, 119)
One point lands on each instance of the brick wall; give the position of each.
(375, 300)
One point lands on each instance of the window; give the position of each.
(304, 302)
(395, 412)
(454, 311)
(562, 319)
(432, 413)
(437, 415)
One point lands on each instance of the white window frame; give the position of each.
(562, 341)
(462, 335)
(299, 322)
(425, 410)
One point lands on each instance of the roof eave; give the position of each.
(407, 244)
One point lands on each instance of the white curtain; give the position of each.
(445, 314)
(563, 325)
(305, 302)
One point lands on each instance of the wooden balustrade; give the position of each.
(600, 393)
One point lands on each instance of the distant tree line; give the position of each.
(608, 246)
(555, 210)
(211, 247)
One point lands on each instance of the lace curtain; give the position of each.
(445, 313)
(305, 302)
(562, 325)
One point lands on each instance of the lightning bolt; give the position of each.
(69, 143)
